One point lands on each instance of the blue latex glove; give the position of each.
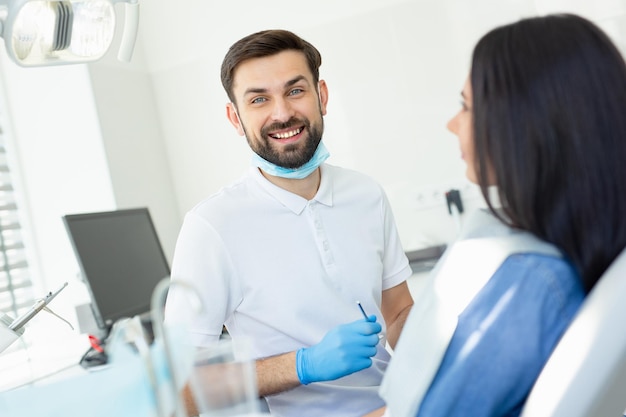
(346, 349)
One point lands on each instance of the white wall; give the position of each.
(133, 142)
(132, 135)
(394, 70)
(59, 167)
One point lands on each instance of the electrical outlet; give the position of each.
(429, 197)
(434, 196)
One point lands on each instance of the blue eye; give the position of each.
(296, 91)
(259, 100)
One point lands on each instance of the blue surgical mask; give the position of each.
(320, 155)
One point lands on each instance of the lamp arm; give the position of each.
(129, 36)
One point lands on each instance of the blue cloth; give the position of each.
(504, 337)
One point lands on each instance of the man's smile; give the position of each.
(286, 135)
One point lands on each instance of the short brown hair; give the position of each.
(266, 43)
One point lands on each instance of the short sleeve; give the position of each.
(396, 268)
(202, 265)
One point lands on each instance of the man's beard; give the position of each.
(291, 156)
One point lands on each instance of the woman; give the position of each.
(543, 119)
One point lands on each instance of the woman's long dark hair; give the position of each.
(549, 106)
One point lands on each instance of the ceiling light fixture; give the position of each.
(56, 32)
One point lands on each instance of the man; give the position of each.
(283, 255)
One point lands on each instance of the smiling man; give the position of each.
(282, 256)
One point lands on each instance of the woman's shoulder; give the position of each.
(537, 274)
(548, 265)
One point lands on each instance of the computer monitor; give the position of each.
(121, 260)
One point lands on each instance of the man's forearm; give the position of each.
(274, 375)
(190, 402)
(277, 374)
(395, 306)
(395, 328)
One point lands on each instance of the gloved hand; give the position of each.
(346, 349)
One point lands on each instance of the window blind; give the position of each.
(16, 289)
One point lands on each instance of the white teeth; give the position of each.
(287, 134)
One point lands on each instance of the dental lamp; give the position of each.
(57, 32)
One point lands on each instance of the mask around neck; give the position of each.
(320, 155)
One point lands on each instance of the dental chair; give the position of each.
(586, 374)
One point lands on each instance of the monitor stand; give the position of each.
(94, 358)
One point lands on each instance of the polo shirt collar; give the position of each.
(292, 201)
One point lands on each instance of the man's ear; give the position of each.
(233, 117)
(322, 90)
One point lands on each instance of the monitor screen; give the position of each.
(121, 260)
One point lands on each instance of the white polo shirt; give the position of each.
(282, 271)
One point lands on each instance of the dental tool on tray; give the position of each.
(39, 305)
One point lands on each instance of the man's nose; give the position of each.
(282, 110)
